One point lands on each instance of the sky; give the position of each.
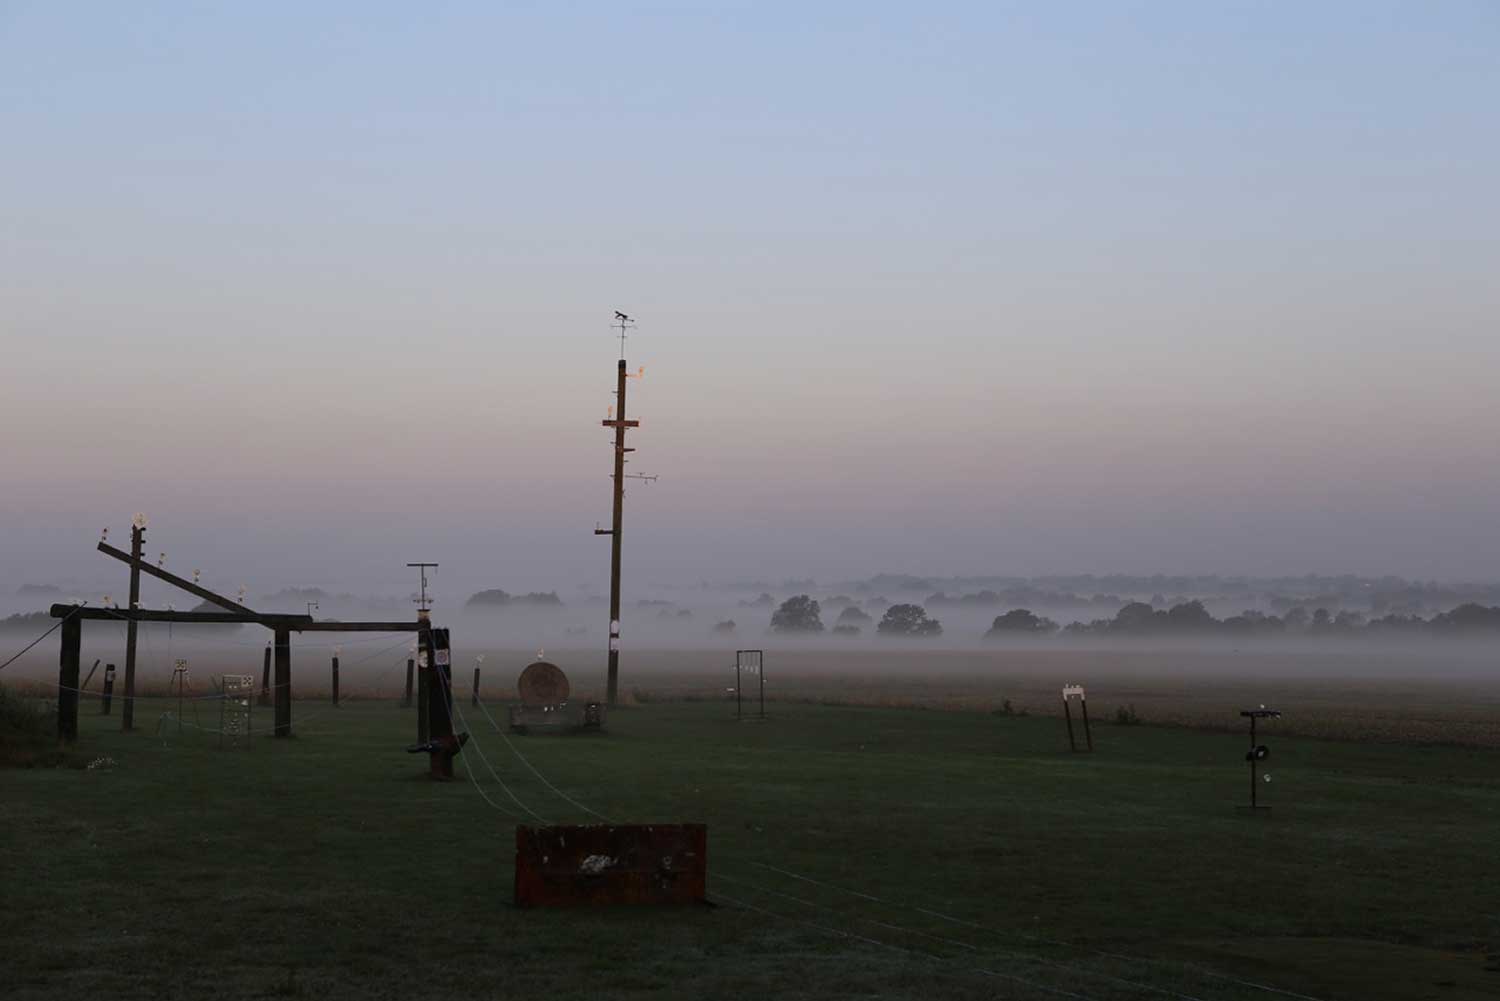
(940, 288)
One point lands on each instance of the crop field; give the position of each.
(854, 852)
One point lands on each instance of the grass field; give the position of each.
(327, 865)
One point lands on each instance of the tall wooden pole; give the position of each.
(282, 696)
(137, 538)
(614, 542)
(67, 680)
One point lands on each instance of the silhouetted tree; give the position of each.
(908, 620)
(852, 614)
(800, 614)
(1019, 621)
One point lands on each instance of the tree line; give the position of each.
(802, 614)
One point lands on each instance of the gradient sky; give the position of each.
(936, 288)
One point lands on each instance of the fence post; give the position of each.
(474, 699)
(335, 680)
(67, 679)
(424, 694)
(410, 669)
(265, 678)
(109, 689)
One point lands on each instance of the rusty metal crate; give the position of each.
(561, 718)
(611, 864)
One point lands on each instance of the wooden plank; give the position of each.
(151, 615)
(358, 627)
(174, 580)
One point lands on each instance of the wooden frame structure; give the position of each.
(281, 625)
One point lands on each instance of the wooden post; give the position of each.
(283, 693)
(109, 689)
(424, 685)
(616, 526)
(265, 678)
(335, 681)
(1088, 736)
(67, 680)
(84, 687)
(137, 539)
(439, 700)
(474, 698)
(411, 665)
(1068, 715)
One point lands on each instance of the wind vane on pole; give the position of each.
(623, 323)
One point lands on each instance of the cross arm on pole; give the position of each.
(174, 580)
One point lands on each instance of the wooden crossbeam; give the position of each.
(292, 623)
(174, 580)
(152, 615)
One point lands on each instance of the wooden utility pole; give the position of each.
(619, 423)
(137, 538)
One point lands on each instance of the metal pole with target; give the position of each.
(1257, 754)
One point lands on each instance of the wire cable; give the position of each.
(55, 626)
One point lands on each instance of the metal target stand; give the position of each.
(1257, 754)
(751, 661)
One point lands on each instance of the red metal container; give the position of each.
(611, 864)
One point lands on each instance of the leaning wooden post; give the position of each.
(335, 679)
(411, 665)
(1068, 715)
(109, 689)
(283, 694)
(85, 686)
(265, 678)
(137, 539)
(1083, 704)
(67, 679)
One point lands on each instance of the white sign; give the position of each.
(442, 658)
(614, 644)
(1073, 690)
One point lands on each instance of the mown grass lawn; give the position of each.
(984, 860)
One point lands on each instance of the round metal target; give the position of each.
(543, 684)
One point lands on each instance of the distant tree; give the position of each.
(1020, 621)
(799, 614)
(1295, 619)
(844, 629)
(852, 614)
(1189, 615)
(1136, 617)
(724, 628)
(764, 601)
(494, 597)
(908, 620)
(1468, 616)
